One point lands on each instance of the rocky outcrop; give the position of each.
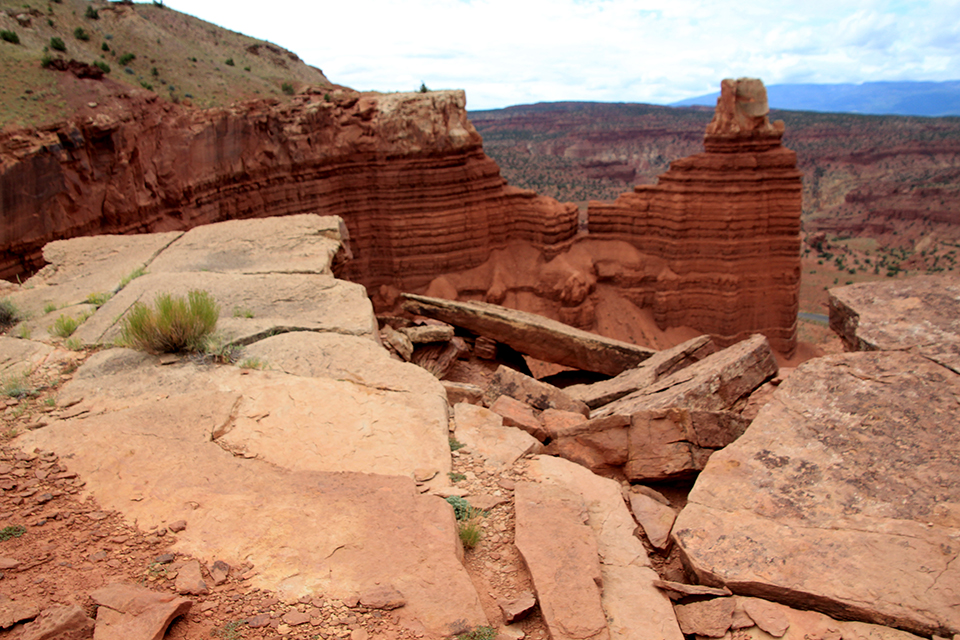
(406, 172)
(919, 314)
(846, 478)
(726, 222)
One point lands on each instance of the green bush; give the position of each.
(229, 62)
(9, 36)
(461, 508)
(65, 325)
(423, 88)
(12, 531)
(146, 85)
(287, 88)
(104, 47)
(9, 314)
(92, 13)
(126, 59)
(98, 299)
(479, 633)
(17, 386)
(173, 324)
(80, 34)
(103, 66)
(57, 44)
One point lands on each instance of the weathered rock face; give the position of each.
(726, 222)
(844, 480)
(919, 314)
(406, 172)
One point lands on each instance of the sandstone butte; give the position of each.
(727, 221)
(712, 249)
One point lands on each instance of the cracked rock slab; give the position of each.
(129, 612)
(843, 494)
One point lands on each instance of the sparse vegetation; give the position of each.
(230, 630)
(50, 307)
(17, 385)
(173, 324)
(74, 344)
(9, 36)
(479, 633)
(456, 477)
(91, 13)
(221, 349)
(423, 88)
(64, 326)
(461, 508)
(455, 444)
(229, 62)
(104, 47)
(12, 531)
(126, 59)
(9, 314)
(130, 277)
(252, 363)
(103, 66)
(57, 44)
(98, 299)
(23, 332)
(242, 312)
(146, 85)
(80, 34)
(287, 88)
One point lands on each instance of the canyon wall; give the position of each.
(406, 171)
(727, 224)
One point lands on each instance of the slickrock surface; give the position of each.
(405, 171)
(726, 222)
(634, 607)
(841, 495)
(920, 314)
(560, 551)
(533, 335)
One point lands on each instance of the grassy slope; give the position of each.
(160, 38)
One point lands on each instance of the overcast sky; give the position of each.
(507, 52)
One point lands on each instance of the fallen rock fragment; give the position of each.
(68, 622)
(462, 392)
(129, 612)
(519, 414)
(537, 394)
(190, 580)
(660, 364)
(533, 335)
(807, 625)
(483, 432)
(709, 618)
(517, 608)
(384, 597)
(219, 572)
(655, 518)
(769, 616)
(14, 611)
(678, 590)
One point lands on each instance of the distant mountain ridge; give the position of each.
(930, 99)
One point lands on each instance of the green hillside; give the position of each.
(179, 57)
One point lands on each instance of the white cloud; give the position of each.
(516, 51)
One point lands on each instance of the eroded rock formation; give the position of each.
(726, 222)
(406, 172)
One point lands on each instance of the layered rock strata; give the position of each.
(406, 172)
(726, 222)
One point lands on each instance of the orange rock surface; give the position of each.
(726, 223)
(406, 172)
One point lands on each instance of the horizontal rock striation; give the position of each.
(406, 172)
(726, 222)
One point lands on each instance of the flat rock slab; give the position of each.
(634, 607)
(560, 551)
(660, 364)
(533, 392)
(304, 243)
(298, 423)
(129, 612)
(483, 432)
(920, 313)
(533, 335)
(252, 307)
(656, 519)
(847, 477)
(79, 267)
(306, 532)
(22, 356)
(806, 625)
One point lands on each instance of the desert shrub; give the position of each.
(461, 508)
(92, 13)
(12, 531)
(126, 59)
(229, 62)
(423, 88)
(103, 66)
(80, 34)
(455, 444)
(98, 299)
(479, 633)
(9, 36)
(287, 88)
(65, 325)
(173, 324)
(104, 47)
(130, 277)
(57, 44)
(252, 363)
(146, 85)
(9, 314)
(17, 386)
(470, 533)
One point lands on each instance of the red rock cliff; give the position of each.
(406, 171)
(727, 223)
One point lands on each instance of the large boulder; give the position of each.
(841, 495)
